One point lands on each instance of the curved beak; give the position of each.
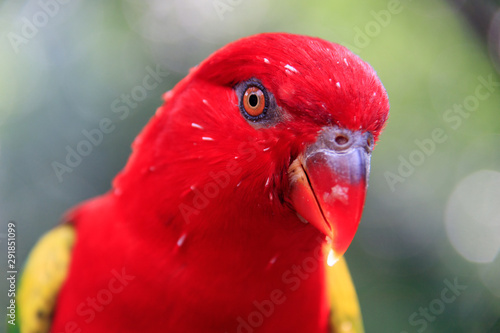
(328, 184)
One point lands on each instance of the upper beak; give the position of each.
(328, 184)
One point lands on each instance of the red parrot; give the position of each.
(250, 175)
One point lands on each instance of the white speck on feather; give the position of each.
(238, 185)
(290, 67)
(374, 94)
(205, 102)
(207, 138)
(192, 187)
(181, 240)
(195, 125)
(267, 181)
(272, 261)
(267, 61)
(330, 80)
(266, 149)
(271, 197)
(345, 61)
(337, 84)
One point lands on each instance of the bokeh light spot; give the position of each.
(472, 216)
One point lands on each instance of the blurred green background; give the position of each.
(432, 215)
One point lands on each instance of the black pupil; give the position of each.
(253, 100)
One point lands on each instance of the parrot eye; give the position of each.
(257, 104)
(254, 101)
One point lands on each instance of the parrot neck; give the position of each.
(254, 267)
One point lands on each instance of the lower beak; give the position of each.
(328, 184)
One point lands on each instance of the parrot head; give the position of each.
(273, 124)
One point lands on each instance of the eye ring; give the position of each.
(254, 102)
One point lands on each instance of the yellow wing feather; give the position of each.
(43, 276)
(345, 316)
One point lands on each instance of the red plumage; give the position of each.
(200, 217)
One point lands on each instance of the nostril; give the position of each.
(338, 140)
(341, 140)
